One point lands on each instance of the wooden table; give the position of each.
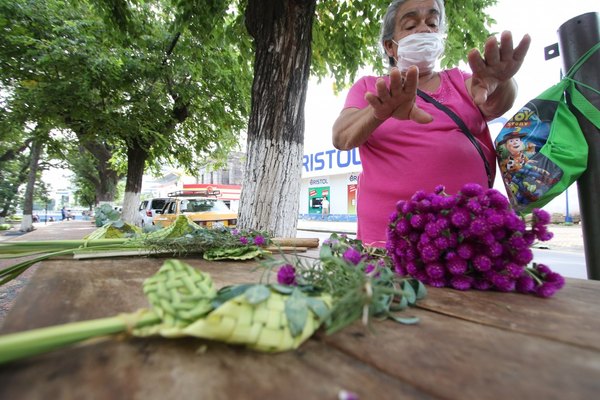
(468, 345)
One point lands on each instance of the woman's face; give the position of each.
(414, 16)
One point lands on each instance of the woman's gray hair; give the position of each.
(388, 25)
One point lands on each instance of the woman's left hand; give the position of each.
(497, 66)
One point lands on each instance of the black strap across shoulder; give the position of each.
(463, 127)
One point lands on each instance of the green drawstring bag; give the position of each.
(541, 150)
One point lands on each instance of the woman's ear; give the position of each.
(388, 45)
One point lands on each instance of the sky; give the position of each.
(541, 19)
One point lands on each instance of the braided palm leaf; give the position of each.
(114, 230)
(179, 295)
(179, 228)
(263, 326)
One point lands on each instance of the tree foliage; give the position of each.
(169, 81)
(129, 78)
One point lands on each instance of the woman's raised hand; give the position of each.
(398, 101)
(497, 66)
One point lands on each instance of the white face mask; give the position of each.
(420, 49)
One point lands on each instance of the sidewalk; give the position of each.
(59, 230)
(566, 237)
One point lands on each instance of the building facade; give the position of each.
(333, 174)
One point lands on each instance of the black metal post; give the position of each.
(576, 36)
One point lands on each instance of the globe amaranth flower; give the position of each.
(419, 195)
(259, 240)
(465, 250)
(435, 270)
(460, 217)
(545, 289)
(497, 200)
(556, 279)
(439, 189)
(457, 266)
(424, 205)
(503, 283)
(403, 227)
(352, 255)
(471, 189)
(541, 216)
(523, 256)
(525, 284)
(432, 229)
(482, 263)
(517, 242)
(514, 270)
(474, 206)
(470, 240)
(493, 218)
(478, 227)
(243, 240)
(429, 253)
(417, 221)
(461, 282)
(287, 275)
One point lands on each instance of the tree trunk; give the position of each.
(136, 159)
(27, 221)
(271, 188)
(107, 177)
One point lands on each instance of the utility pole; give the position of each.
(576, 36)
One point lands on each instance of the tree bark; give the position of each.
(282, 38)
(136, 160)
(107, 177)
(27, 221)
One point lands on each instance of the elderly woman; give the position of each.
(407, 143)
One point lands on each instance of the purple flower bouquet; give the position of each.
(469, 240)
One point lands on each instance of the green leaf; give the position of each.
(318, 307)
(283, 289)
(405, 320)
(257, 294)
(421, 290)
(296, 312)
(239, 253)
(381, 304)
(325, 252)
(409, 292)
(227, 293)
(402, 305)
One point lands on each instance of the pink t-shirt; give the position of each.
(401, 157)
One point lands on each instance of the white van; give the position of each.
(148, 209)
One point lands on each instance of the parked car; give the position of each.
(203, 209)
(148, 209)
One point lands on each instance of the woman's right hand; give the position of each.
(398, 101)
(354, 126)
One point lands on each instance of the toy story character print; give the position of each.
(527, 173)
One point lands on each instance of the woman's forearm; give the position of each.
(353, 127)
(500, 101)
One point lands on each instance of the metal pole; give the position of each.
(575, 37)
(568, 218)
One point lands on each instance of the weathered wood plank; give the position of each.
(176, 369)
(457, 359)
(158, 368)
(468, 345)
(571, 315)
